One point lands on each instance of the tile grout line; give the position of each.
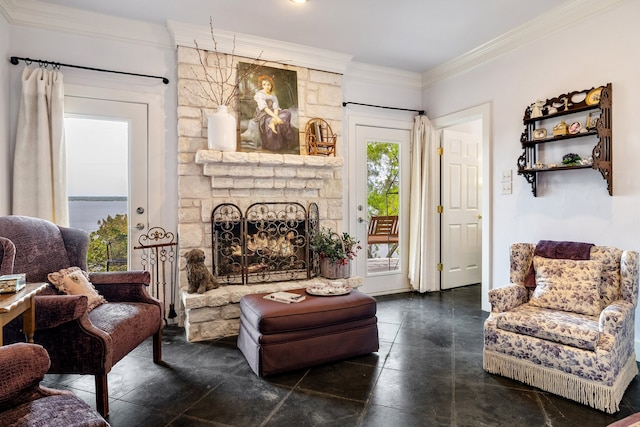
(283, 400)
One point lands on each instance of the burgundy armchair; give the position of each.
(79, 342)
(23, 402)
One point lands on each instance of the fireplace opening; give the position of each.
(269, 242)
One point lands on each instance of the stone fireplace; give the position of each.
(315, 181)
(207, 179)
(270, 242)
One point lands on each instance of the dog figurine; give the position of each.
(199, 277)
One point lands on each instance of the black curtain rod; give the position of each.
(420, 112)
(56, 65)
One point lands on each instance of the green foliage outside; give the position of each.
(111, 229)
(383, 170)
(382, 178)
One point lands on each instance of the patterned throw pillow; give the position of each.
(74, 281)
(567, 285)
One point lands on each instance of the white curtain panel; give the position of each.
(423, 219)
(40, 166)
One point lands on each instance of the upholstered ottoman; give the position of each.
(276, 337)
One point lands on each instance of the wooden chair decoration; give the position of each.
(320, 138)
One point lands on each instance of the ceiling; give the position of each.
(409, 35)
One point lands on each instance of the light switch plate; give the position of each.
(506, 175)
(505, 188)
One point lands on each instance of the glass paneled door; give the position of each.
(381, 186)
(107, 177)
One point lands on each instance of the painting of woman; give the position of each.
(274, 123)
(268, 109)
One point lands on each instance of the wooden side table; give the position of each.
(22, 302)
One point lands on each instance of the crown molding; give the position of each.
(550, 22)
(5, 11)
(34, 13)
(257, 47)
(383, 75)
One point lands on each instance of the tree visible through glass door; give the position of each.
(97, 159)
(383, 206)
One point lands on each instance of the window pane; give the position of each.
(383, 206)
(97, 161)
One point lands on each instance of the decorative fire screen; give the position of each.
(269, 243)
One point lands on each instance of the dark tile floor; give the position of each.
(428, 372)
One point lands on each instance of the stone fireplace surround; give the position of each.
(245, 178)
(207, 178)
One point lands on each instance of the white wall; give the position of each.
(570, 205)
(114, 55)
(72, 48)
(5, 163)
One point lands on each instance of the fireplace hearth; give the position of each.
(269, 242)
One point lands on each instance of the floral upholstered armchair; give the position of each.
(79, 338)
(572, 332)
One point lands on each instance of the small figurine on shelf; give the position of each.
(536, 109)
(560, 129)
(592, 121)
(587, 161)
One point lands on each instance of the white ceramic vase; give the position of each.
(222, 130)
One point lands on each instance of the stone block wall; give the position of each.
(207, 178)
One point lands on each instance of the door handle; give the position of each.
(360, 219)
(140, 226)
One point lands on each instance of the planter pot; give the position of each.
(335, 270)
(221, 130)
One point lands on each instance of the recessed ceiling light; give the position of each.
(298, 1)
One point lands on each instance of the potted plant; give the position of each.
(335, 251)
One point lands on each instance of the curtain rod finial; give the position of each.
(14, 60)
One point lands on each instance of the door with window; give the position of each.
(380, 178)
(107, 177)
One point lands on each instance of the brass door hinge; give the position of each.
(440, 151)
(440, 267)
(440, 209)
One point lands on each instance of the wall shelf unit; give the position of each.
(580, 117)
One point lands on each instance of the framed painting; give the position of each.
(268, 110)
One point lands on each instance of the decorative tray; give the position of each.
(328, 289)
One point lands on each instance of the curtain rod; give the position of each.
(420, 112)
(56, 65)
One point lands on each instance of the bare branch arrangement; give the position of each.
(219, 87)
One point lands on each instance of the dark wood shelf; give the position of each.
(563, 113)
(560, 137)
(601, 152)
(557, 168)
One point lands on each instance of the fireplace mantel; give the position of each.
(237, 158)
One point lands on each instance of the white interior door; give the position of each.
(461, 199)
(380, 176)
(107, 143)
